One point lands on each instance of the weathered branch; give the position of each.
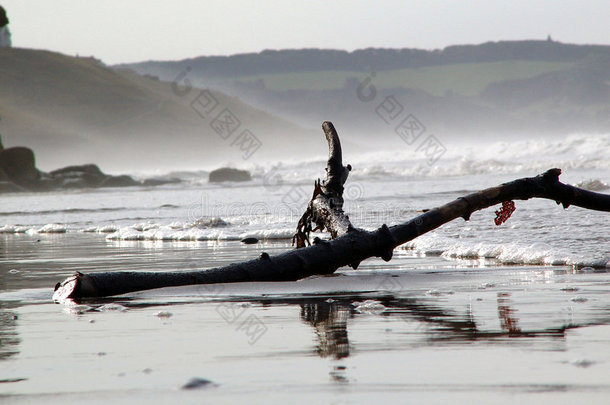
(349, 245)
(325, 209)
(336, 173)
(546, 185)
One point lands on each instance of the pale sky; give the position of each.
(136, 30)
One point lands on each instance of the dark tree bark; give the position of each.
(349, 245)
(325, 209)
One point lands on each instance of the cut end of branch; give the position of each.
(75, 286)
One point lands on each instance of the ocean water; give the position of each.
(471, 310)
(384, 187)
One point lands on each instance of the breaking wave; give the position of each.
(535, 155)
(505, 253)
(573, 152)
(193, 232)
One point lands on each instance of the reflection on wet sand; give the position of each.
(329, 321)
(9, 340)
(434, 324)
(508, 320)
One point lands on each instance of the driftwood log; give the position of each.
(348, 245)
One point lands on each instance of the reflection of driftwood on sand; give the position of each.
(433, 324)
(329, 321)
(349, 245)
(508, 319)
(9, 339)
(446, 325)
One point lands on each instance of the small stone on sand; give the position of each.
(197, 383)
(163, 314)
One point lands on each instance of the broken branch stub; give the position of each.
(325, 209)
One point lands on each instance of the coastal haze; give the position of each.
(68, 93)
(486, 90)
(149, 136)
(78, 110)
(164, 116)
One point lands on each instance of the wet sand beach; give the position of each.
(469, 313)
(427, 330)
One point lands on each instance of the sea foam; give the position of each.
(505, 253)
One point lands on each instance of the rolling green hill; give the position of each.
(465, 79)
(522, 86)
(77, 110)
(372, 59)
